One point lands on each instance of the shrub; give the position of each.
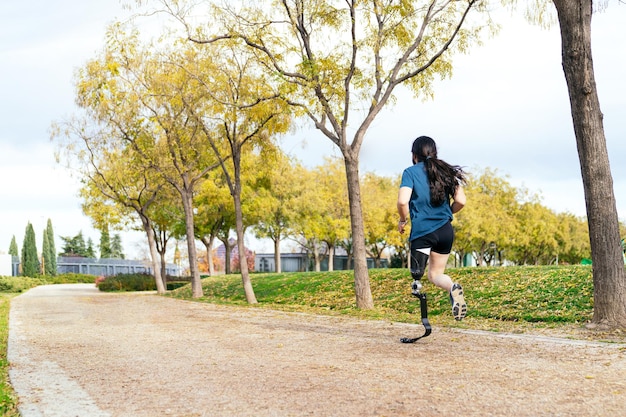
(127, 282)
(69, 278)
(99, 279)
(8, 399)
(19, 284)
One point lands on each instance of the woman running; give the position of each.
(430, 193)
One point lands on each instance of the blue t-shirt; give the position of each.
(425, 218)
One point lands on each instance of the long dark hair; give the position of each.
(443, 178)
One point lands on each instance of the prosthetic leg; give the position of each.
(418, 267)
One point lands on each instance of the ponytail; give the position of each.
(443, 178)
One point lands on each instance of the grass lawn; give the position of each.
(8, 405)
(505, 299)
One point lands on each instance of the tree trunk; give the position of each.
(362, 289)
(609, 278)
(163, 265)
(154, 257)
(209, 255)
(243, 260)
(331, 257)
(227, 251)
(161, 246)
(196, 283)
(208, 245)
(317, 258)
(278, 266)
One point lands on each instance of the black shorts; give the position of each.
(439, 241)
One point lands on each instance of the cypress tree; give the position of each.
(117, 251)
(30, 259)
(105, 243)
(45, 247)
(81, 247)
(74, 246)
(90, 253)
(51, 259)
(13, 250)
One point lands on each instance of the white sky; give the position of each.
(505, 108)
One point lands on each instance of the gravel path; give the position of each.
(77, 352)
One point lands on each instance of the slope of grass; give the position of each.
(8, 403)
(499, 298)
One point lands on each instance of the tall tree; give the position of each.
(105, 242)
(342, 62)
(13, 250)
(330, 195)
(276, 190)
(489, 222)
(242, 116)
(609, 276)
(74, 246)
(45, 248)
(144, 95)
(310, 208)
(50, 255)
(380, 217)
(89, 249)
(216, 215)
(117, 181)
(117, 177)
(30, 258)
(537, 236)
(575, 247)
(117, 251)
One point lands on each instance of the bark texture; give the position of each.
(362, 288)
(609, 278)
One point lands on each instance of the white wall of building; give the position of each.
(6, 269)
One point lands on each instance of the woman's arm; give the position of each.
(404, 195)
(459, 200)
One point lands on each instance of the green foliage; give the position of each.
(530, 294)
(503, 221)
(74, 246)
(30, 259)
(70, 278)
(380, 215)
(45, 248)
(8, 399)
(19, 284)
(13, 250)
(127, 282)
(49, 252)
(105, 243)
(89, 251)
(22, 283)
(117, 251)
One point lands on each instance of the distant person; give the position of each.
(430, 193)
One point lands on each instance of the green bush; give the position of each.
(70, 278)
(127, 282)
(19, 284)
(8, 399)
(172, 285)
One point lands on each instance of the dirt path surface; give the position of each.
(77, 352)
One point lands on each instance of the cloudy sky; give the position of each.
(506, 108)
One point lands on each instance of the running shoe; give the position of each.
(459, 308)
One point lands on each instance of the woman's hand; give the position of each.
(401, 225)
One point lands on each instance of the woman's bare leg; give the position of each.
(436, 267)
